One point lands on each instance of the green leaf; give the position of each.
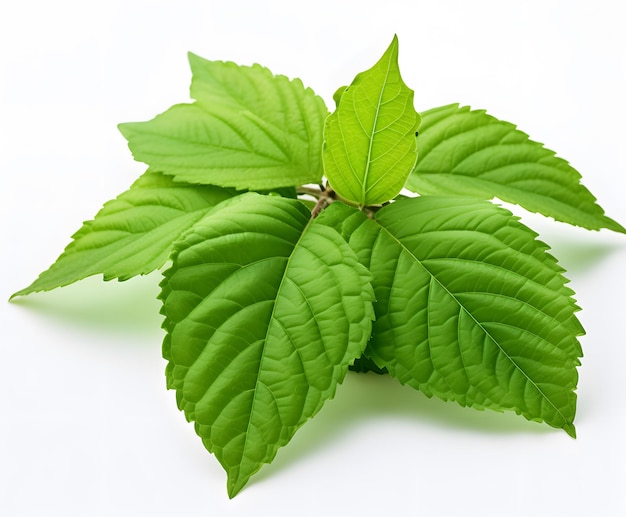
(471, 153)
(132, 234)
(265, 310)
(369, 141)
(248, 129)
(471, 308)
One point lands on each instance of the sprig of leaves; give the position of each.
(269, 298)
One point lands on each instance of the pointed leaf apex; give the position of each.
(234, 486)
(570, 429)
(392, 50)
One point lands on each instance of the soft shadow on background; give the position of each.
(379, 399)
(108, 308)
(579, 259)
(131, 308)
(578, 250)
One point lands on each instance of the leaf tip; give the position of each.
(570, 430)
(611, 224)
(393, 47)
(22, 292)
(235, 485)
(194, 60)
(126, 129)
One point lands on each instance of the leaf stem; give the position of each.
(326, 197)
(311, 191)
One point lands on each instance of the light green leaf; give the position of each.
(265, 310)
(471, 308)
(132, 234)
(369, 141)
(248, 129)
(465, 152)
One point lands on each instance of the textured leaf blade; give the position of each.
(466, 152)
(265, 310)
(248, 129)
(471, 308)
(369, 141)
(132, 234)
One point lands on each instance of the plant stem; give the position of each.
(315, 192)
(325, 198)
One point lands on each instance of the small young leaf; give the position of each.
(369, 141)
(265, 310)
(248, 129)
(471, 308)
(471, 153)
(132, 234)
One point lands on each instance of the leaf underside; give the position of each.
(465, 152)
(265, 310)
(248, 129)
(471, 308)
(132, 234)
(369, 141)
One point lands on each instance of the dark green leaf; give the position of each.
(265, 310)
(470, 307)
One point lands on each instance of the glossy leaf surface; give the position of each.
(470, 307)
(265, 310)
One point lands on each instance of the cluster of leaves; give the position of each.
(276, 287)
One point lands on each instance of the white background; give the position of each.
(87, 427)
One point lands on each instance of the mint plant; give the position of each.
(301, 244)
